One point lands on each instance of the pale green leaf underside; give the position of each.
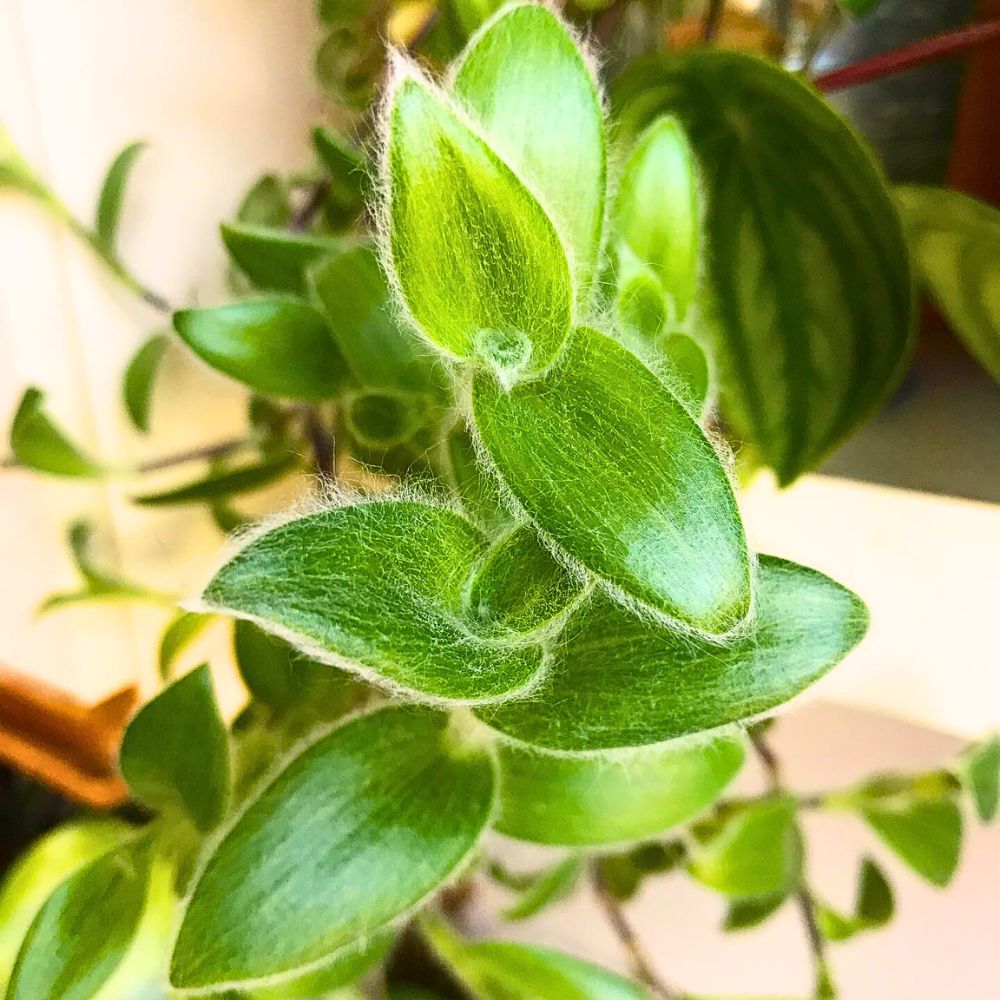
(956, 248)
(378, 587)
(175, 751)
(479, 264)
(926, 834)
(525, 82)
(579, 801)
(807, 285)
(38, 443)
(357, 830)
(617, 681)
(140, 377)
(608, 463)
(279, 347)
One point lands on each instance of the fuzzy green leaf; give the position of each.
(956, 248)
(552, 886)
(526, 83)
(109, 204)
(475, 485)
(278, 347)
(666, 534)
(224, 483)
(925, 833)
(169, 770)
(611, 797)
(82, 932)
(980, 773)
(756, 853)
(39, 444)
(807, 289)
(658, 207)
(479, 264)
(178, 635)
(355, 832)
(275, 260)
(140, 376)
(377, 588)
(617, 681)
(686, 370)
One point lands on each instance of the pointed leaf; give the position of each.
(178, 635)
(612, 797)
(348, 174)
(807, 288)
(140, 376)
(377, 588)
(617, 681)
(956, 248)
(925, 833)
(757, 853)
(278, 347)
(275, 260)
(873, 907)
(525, 81)
(981, 774)
(266, 203)
(39, 444)
(224, 483)
(16, 174)
(744, 914)
(478, 262)
(357, 830)
(109, 205)
(82, 932)
(686, 371)
(175, 751)
(658, 207)
(668, 533)
(553, 886)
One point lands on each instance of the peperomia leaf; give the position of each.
(807, 287)
(657, 210)
(955, 242)
(526, 83)
(140, 376)
(873, 908)
(109, 204)
(175, 751)
(756, 853)
(667, 534)
(607, 798)
(980, 772)
(39, 444)
(275, 260)
(224, 483)
(552, 886)
(925, 833)
(355, 832)
(377, 588)
(478, 262)
(279, 347)
(617, 681)
(82, 932)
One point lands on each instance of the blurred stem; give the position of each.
(202, 453)
(303, 218)
(713, 18)
(322, 442)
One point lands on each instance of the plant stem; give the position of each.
(322, 443)
(713, 18)
(642, 967)
(910, 56)
(303, 218)
(201, 453)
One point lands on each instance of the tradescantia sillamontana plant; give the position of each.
(553, 628)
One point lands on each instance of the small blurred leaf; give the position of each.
(744, 914)
(348, 63)
(623, 874)
(275, 260)
(179, 634)
(956, 246)
(169, 770)
(16, 174)
(686, 371)
(140, 376)
(859, 8)
(553, 886)
(39, 444)
(925, 833)
(341, 11)
(266, 204)
(757, 853)
(347, 172)
(472, 14)
(225, 483)
(279, 347)
(453, 204)
(873, 907)
(109, 204)
(980, 771)
(84, 929)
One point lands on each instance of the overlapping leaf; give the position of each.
(275, 260)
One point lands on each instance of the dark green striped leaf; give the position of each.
(541, 111)
(455, 212)
(225, 483)
(378, 588)
(607, 798)
(109, 204)
(617, 681)
(956, 247)
(275, 260)
(165, 766)
(356, 831)
(279, 347)
(925, 833)
(140, 376)
(40, 444)
(666, 533)
(807, 289)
